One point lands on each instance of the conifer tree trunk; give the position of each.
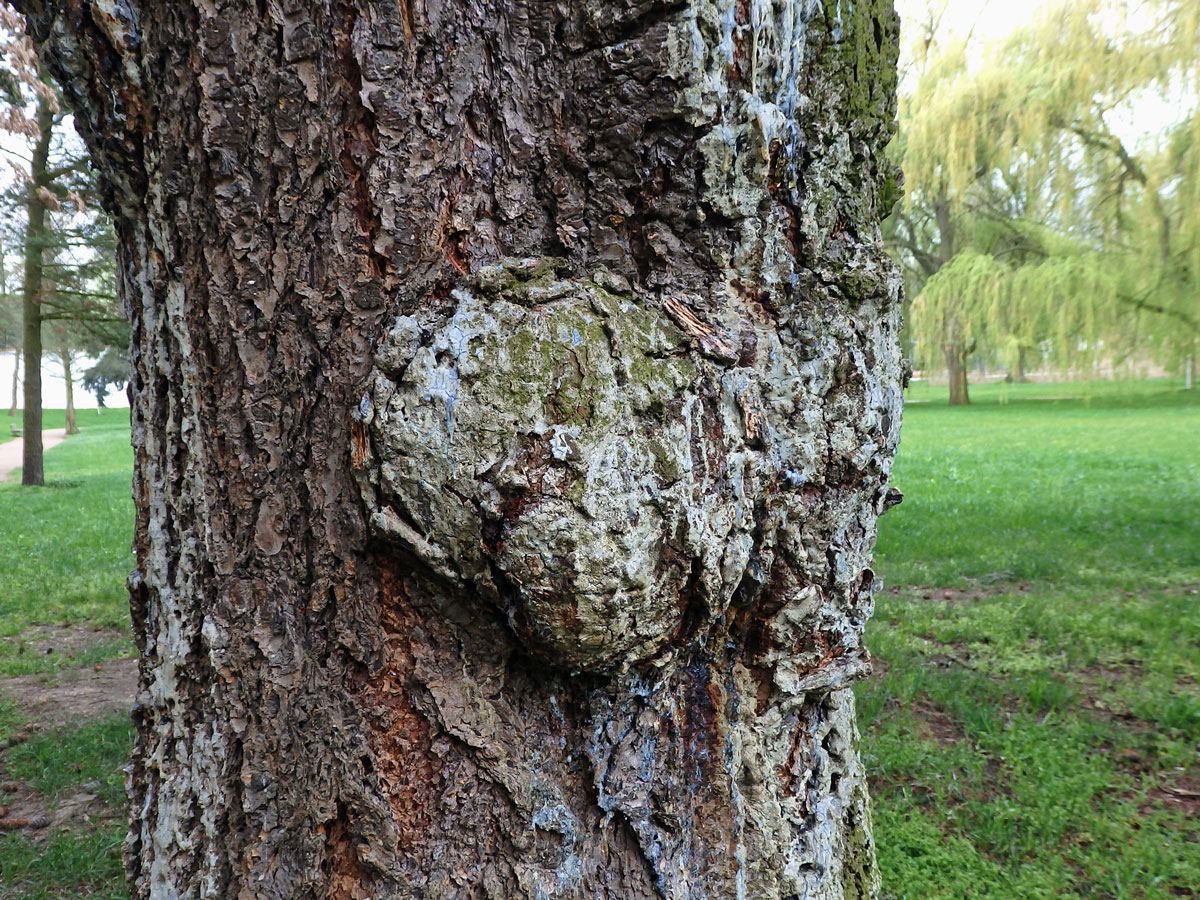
(515, 391)
(31, 288)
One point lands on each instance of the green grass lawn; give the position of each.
(65, 549)
(1033, 726)
(1033, 729)
(64, 555)
(57, 418)
(1101, 491)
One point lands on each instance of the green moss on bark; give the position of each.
(866, 34)
(861, 876)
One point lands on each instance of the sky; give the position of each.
(990, 18)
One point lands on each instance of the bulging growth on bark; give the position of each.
(516, 388)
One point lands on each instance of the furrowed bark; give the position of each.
(515, 392)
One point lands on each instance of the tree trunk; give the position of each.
(65, 353)
(956, 370)
(957, 349)
(515, 392)
(1021, 377)
(16, 382)
(31, 289)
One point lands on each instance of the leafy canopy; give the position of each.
(1037, 215)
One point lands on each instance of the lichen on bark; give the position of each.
(516, 387)
(682, 459)
(531, 447)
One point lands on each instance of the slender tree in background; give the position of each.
(1031, 224)
(11, 98)
(65, 250)
(30, 110)
(515, 390)
(79, 309)
(68, 358)
(36, 202)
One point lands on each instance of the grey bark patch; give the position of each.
(517, 452)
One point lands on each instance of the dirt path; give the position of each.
(67, 699)
(10, 451)
(75, 695)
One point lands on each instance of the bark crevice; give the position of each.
(516, 387)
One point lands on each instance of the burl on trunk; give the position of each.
(516, 388)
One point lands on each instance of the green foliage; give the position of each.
(10, 307)
(56, 246)
(1034, 223)
(110, 370)
(1026, 732)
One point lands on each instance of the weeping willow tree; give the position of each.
(1038, 219)
(1076, 309)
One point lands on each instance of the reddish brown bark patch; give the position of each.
(400, 734)
(344, 871)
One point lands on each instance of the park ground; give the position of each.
(1032, 727)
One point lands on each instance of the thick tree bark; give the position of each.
(515, 392)
(31, 289)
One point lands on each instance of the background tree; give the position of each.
(1014, 155)
(111, 370)
(515, 389)
(79, 309)
(31, 108)
(64, 247)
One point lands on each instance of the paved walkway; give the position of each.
(10, 451)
